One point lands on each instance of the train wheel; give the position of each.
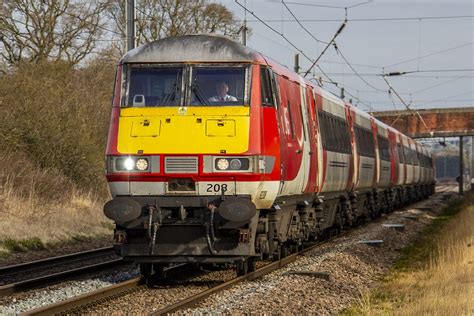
(284, 251)
(145, 271)
(241, 267)
(252, 264)
(159, 271)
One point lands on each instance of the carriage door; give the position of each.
(306, 146)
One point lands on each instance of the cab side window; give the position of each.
(266, 87)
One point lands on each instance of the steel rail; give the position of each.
(92, 297)
(49, 261)
(193, 300)
(86, 298)
(50, 278)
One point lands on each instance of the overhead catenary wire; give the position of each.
(440, 84)
(355, 71)
(404, 103)
(429, 55)
(322, 60)
(335, 45)
(301, 25)
(330, 6)
(382, 19)
(288, 41)
(343, 25)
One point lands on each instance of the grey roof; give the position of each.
(191, 48)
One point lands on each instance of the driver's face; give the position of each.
(222, 89)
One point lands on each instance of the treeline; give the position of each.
(57, 61)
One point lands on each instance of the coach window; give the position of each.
(365, 141)
(384, 148)
(408, 155)
(400, 154)
(219, 85)
(154, 86)
(417, 157)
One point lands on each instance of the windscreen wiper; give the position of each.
(171, 96)
(199, 95)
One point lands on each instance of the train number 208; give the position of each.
(216, 187)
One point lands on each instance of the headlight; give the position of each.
(129, 164)
(142, 164)
(222, 164)
(233, 164)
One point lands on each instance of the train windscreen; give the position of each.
(159, 86)
(218, 85)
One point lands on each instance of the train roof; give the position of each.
(192, 48)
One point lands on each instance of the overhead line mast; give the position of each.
(130, 23)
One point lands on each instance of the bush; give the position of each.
(54, 118)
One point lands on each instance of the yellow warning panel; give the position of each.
(223, 128)
(210, 130)
(145, 127)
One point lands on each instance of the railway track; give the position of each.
(83, 302)
(43, 272)
(75, 304)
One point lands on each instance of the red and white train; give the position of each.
(216, 153)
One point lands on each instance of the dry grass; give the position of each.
(29, 222)
(41, 205)
(443, 284)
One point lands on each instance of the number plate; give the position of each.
(216, 188)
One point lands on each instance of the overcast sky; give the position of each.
(396, 37)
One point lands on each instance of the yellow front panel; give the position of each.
(145, 127)
(184, 130)
(220, 128)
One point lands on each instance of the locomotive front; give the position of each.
(185, 160)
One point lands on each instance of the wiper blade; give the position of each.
(171, 96)
(199, 95)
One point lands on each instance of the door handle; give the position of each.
(299, 151)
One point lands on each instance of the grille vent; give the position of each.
(181, 164)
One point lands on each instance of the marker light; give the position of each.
(142, 164)
(222, 164)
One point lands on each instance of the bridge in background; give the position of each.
(452, 122)
(449, 122)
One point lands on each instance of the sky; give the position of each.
(432, 38)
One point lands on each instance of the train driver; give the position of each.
(221, 93)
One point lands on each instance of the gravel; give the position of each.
(354, 269)
(22, 302)
(146, 300)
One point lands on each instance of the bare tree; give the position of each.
(38, 30)
(162, 18)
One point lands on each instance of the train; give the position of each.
(217, 154)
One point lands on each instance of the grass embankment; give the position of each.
(53, 128)
(435, 275)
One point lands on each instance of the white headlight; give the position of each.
(142, 164)
(222, 164)
(129, 164)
